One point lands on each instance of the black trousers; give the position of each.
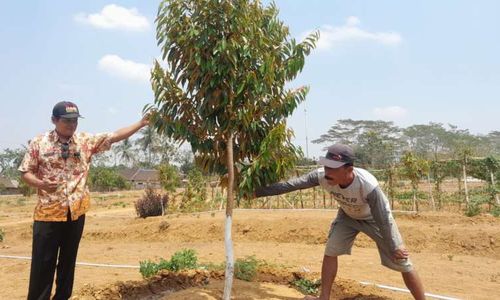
(54, 242)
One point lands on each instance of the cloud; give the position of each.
(351, 32)
(113, 16)
(127, 69)
(390, 113)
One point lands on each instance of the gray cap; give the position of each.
(337, 156)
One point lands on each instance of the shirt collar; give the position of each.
(54, 138)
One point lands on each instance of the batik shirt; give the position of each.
(44, 159)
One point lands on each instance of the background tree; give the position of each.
(439, 170)
(413, 169)
(125, 152)
(494, 141)
(492, 167)
(196, 193)
(224, 88)
(427, 141)
(487, 169)
(464, 146)
(186, 161)
(10, 159)
(391, 178)
(147, 141)
(169, 177)
(102, 178)
(377, 143)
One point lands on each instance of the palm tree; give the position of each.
(147, 142)
(125, 151)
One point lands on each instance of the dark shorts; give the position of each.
(344, 230)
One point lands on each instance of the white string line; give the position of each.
(78, 263)
(392, 288)
(382, 286)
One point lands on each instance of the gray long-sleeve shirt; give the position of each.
(362, 199)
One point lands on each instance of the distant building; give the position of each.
(8, 186)
(141, 178)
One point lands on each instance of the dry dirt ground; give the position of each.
(456, 256)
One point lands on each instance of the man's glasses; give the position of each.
(65, 153)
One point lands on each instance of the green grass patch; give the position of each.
(181, 260)
(246, 268)
(307, 286)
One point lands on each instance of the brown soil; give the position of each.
(455, 255)
(189, 285)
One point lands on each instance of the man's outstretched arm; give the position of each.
(126, 132)
(306, 181)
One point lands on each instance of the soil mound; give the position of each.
(201, 284)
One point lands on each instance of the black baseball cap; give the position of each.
(66, 109)
(337, 156)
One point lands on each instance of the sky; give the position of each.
(410, 62)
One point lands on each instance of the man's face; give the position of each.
(341, 176)
(66, 126)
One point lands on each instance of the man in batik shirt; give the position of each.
(57, 164)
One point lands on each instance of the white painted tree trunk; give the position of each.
(466, 190)
(430, 192)
(229, 274)
(228, 242)
(493, 185)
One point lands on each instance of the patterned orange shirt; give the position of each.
(44, 159)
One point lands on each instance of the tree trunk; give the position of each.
(162, 206)
(433, 204)
(229, 216)
(314, 197)
(415, 205)
(324, 198)
(466, 190)
(497, 200)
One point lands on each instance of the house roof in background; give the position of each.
(136, 174)
(8, 183)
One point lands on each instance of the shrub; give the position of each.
(246, 268)
(151, 204)
(496, 211)
(169, 177)
(106, 179)
(473, 209)
(181, 260)
(2, 234)
(307, 286)
(185, 259)
(148, 268)
(25, 189)
(195, 194)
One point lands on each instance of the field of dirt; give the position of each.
(456, 256)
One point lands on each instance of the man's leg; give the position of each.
(340, 241)
(410, 276)
(67, 258)
(43, 259)
(328, 273)
(414, 284)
